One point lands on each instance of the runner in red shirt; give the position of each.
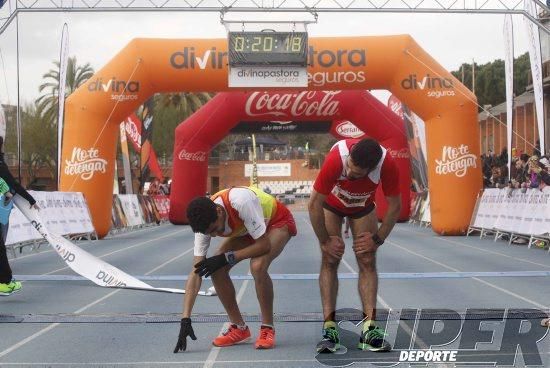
(345, 187)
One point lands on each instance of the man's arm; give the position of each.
(261, 246)
(332, 245)
(192, 288)
(317, 215)
(394, 208)
(364, 243)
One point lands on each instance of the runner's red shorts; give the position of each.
(283, 217)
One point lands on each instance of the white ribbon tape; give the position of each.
(83, 263)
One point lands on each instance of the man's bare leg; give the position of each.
(368, 276)
(259, 268)
(328, 276)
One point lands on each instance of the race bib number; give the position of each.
(350, 199)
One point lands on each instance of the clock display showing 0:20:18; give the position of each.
(247, 43)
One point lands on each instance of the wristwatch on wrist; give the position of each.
(230, 256)
(377, 240)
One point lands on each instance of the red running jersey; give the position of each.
(350, 196)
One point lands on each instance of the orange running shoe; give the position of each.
(233, 335)
(266, 340)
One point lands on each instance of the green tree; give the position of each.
(186, 102)
(47, 104)
(490, 83)
(169, 111)
(38, 143)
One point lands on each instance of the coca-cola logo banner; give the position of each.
(395, 105)
(402, 153)
(292, 105)
(85, 163)
(184, 155)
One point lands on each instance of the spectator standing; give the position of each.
(8, 285)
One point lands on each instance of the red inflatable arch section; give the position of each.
(395, 63)
(202, 131)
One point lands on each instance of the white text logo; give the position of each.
(320, 79)
(132, 131)
(402, 153)
(85, 163)
(348, 129)
(455, 160)
(192, 156)
(300, 104)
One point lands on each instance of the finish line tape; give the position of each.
(312, 276)
(83, 263)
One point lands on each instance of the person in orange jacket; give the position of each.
(256, 227)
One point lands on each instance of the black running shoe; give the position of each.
(373, 340)
(330, 342)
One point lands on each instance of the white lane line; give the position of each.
(478, 249)
(88, 242)
(122, 249)
(348, 266)
(473, 278)
(215, 351)
(54, 325)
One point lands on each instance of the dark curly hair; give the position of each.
(366, 153)
(201, 213)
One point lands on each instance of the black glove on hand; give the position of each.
(208, 266)
(185, 330)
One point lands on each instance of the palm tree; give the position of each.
(186, 102)
(47, 104)
(39, 147)
(170, 110)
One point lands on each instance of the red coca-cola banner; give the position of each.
(133, 125)
(208, 126)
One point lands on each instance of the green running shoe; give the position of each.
(373, 340)
(330, 342)
(8, 289)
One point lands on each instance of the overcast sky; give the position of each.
(95, 37)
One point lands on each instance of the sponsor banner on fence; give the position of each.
(131, 209)
(118, 217)
(148, 209)
(83, 263)
(514, 210)
(419, 205)
(65, 213)
(163, 205)
(282, 169)
(425, 212)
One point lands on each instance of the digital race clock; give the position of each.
(267, 48)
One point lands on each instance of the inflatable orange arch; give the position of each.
(396, 63)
